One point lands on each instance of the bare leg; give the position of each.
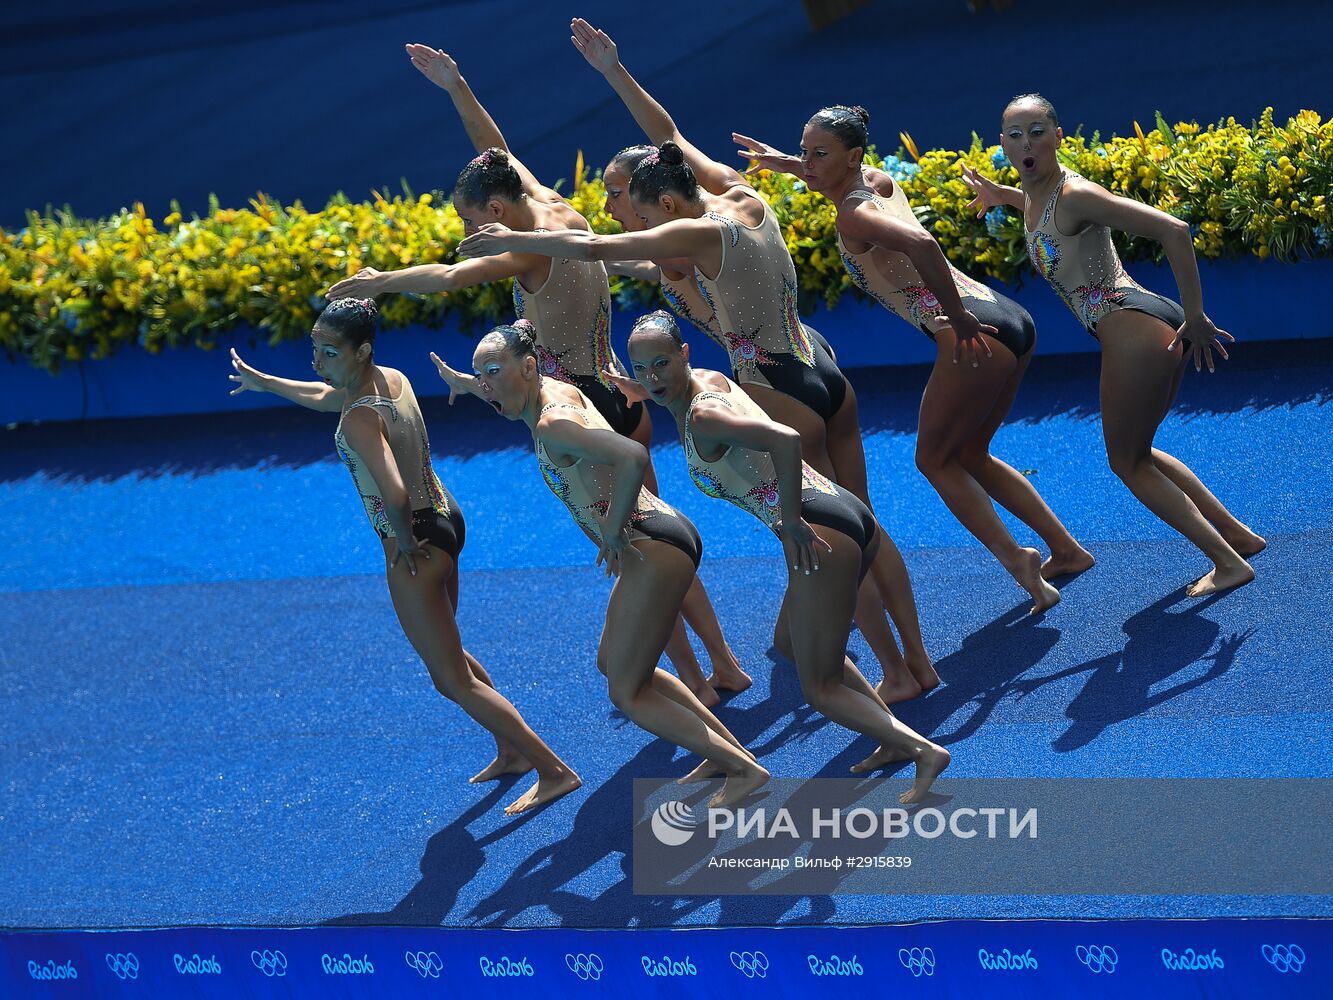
(956, 403)
(639, 617)
(686, 664)
(698, 611)
(818, 608)
(847, 457)
(1138, 379)
(427, 616)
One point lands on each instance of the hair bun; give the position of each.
(861, 113)
(671, 154)
(523, 324)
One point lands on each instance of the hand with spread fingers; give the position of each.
(1204, 338)
(766, 157)
(408, 552)
(988, 193)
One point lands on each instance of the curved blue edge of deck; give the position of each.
(1239, 295)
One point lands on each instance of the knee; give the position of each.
(450, 685)
(931, 462)
(1125, 464)
(622, 694)
(602, 662)
(974, 459)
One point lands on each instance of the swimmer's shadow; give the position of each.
(452, 858)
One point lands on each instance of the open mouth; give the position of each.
(1029, 162)
(496, 404)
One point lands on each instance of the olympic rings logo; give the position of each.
(918, 961)
(125, 966)
(751, 963)
(426, 963)
(585, 966)
(1284, 957)
(270, 963)
(1098, 958)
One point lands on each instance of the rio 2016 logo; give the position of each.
(586, 967)
(1192, 961)
(1284, 957)
(673, 823)
(752, 963)
(270, 963)
(1098, 957)
(1007, 961)
(52, 971)
(918, 961)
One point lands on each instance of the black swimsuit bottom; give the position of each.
(1157, 306)
(445, 531)
(847, 515)
(822, 388)
(674, 529)
(1013, 325)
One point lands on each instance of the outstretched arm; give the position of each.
(640, 270)
(687, 238)
(439, 68)
(311, 395)
(869, 225)
(597, 47)
(1089, 202)
(424, 279)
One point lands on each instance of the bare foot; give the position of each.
(1070, 563)
(929, 765)
(1027, 571)
(706, 771)
(1219, 580)
(1246, 543)
(898, 685)
(923, 671)
(504, 763)
(729, 676)
(727, 672)
(738, 786)
(882, 757)
(546, 790)
(706, 695)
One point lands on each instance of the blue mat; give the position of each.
(214, 717)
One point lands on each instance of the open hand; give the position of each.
(595, 46)
(435, 65)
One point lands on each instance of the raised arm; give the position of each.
(439, 68)
(866, 224)
(693, 239)
(311, 395)
(601, 53)
(628, 460)
(364, 430)
(1089, 202)
(723, 426)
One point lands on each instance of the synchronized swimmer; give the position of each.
(778, 436)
